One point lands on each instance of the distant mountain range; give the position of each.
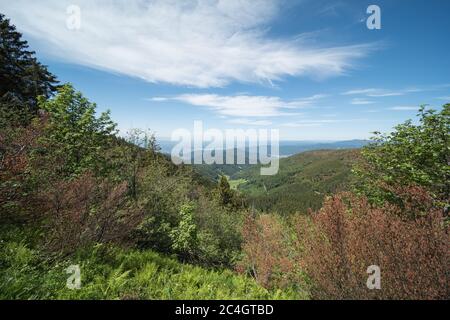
(289, 148)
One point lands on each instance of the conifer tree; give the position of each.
(225, 192)
(22, 77)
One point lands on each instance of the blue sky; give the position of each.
(310, 68)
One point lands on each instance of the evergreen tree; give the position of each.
(226, 195)
(22, 77)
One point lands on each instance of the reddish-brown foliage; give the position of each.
(267, 252)
(87, 210)
(347, 236)
(336, 245)
(15, 145)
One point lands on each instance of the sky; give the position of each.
(310, 68)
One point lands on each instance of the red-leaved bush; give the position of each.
(16, 198)
(87, 210)
(340, 242)
(336, 245)
(267, 251)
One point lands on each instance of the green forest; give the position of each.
(75, 192)
(302, 183)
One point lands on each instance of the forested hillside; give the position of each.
(301, 183)
(75, 193)
(288, 149)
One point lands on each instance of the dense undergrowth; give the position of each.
(111, 272)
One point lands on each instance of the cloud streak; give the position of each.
(404, 108)
(248, 122)
(318, 123)
(378, 92)
(190, 43)
(358, 101)
(374, 93)
(244, 105)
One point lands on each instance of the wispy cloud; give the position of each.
(248, 122)
(244, 105)
(301, 125)
(379, 92)
(374, 93)
(358, 101)
(190, 43)
(312, 98)
(317, 123)
(331, 9)
(447, 98)
(404, 108)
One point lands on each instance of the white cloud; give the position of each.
(373, 92)
(444, 98)
(317, 123)
(301, 125)
(313, 98)
(248, 122)
(404, 108)
(158, 99)
(192, 43)
(244, 105)
(358, 101)
(358, 91)
(378, 92)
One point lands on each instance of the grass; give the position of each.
(234, 184)
(109, 272)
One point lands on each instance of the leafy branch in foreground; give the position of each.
(414, 154)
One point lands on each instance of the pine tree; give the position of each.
(225, 193)
(22, 77)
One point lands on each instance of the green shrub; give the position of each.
(114, 273)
